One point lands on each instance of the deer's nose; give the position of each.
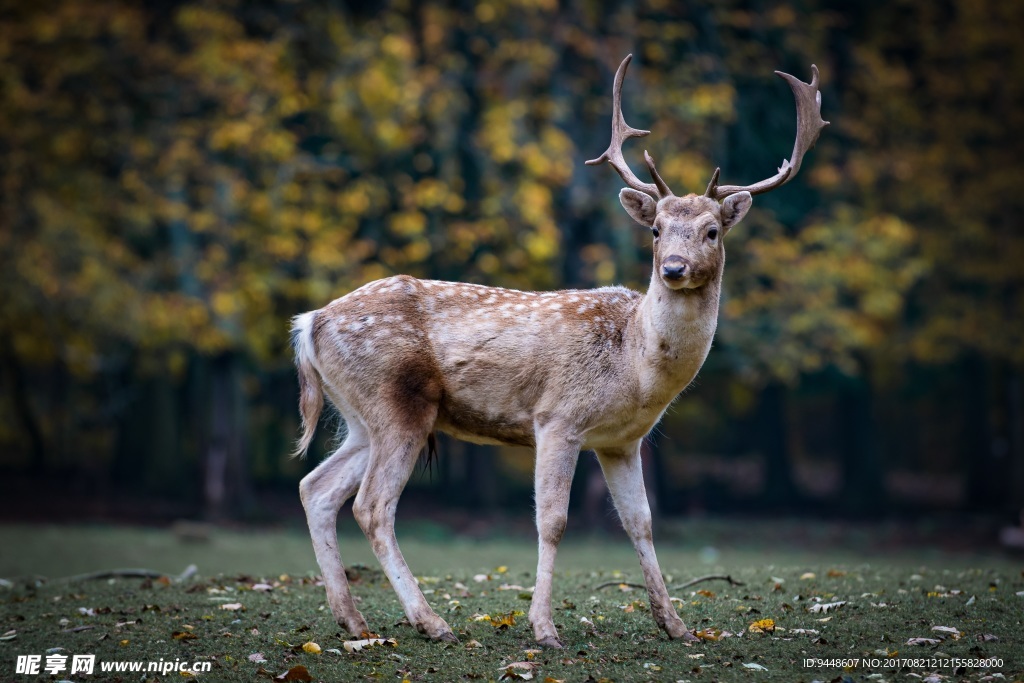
(675, 268)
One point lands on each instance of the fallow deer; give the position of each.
(403, 358)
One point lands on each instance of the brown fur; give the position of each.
(402, 358)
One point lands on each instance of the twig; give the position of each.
(709, 577)
(131, 574)
(619, 583)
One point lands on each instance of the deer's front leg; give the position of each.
(557, 453)
(624, 474)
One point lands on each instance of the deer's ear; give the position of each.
(734, 208)
(640, 206)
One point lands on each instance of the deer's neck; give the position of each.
(675, 329)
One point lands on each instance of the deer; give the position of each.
(403, 358)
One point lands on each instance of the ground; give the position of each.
(263, 623)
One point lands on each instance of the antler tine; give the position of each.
(620, 132)
(808, 127)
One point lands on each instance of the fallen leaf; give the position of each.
(809, 631)
(987, 638)
(357, 645)
(480, 578)
(473, 644)
(233, 606)
(10, 635)
(763, 626)
(705, 593)
(184, 635)
(949, 630)
(825, 606)
(311, 647)
(835, 573)
(807, 576)
(923, 641)
(754, 666)
(712, 634)
(652, 667)
(528, 666)
(257, 657)
(262, 587)
(296, 673)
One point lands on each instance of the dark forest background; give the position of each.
(177, 179)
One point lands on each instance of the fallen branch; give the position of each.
(709, 577)
(131, 574)
(619, 583)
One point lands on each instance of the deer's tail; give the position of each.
(311, 395)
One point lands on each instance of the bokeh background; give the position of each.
(179, 178)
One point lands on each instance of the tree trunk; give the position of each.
(983, 466)
(225, 477)
(862, 489)
(23, 408)
(773, 429)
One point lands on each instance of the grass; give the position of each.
(135, 620)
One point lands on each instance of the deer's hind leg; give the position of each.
(393, 452)
(323, 492)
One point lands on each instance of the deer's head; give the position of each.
(689, 231)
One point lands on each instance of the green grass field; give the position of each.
(609, 634)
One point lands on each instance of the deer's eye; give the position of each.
(713, 234)
(655, 232)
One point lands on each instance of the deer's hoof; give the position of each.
(677, 630)
(355, 626)
(552, 642)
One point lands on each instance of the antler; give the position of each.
(620, 131)
(808, 127)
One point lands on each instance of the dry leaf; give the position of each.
(754, 666)
(712, 634)
(528, 666)
(923, 641)
(706, 593)
(257, 657)
(233, 606)
(763, 626)
(825, 606)
(10, 635)
(949, 630)
(296, 673)
(357, 645)
(184, 635)
(311, 647)
(473, 644)
(262, 587)
(807, 576)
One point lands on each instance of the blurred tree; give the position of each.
(181, 178)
